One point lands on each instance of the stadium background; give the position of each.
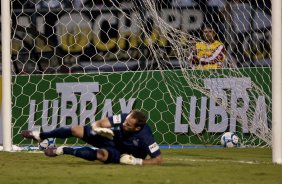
(101, 52)
(250, 39)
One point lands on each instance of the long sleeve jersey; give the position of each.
(209, 55)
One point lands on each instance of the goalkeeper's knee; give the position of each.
(102, 155)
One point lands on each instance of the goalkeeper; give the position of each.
(124, 138)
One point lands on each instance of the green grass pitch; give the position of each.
(187, 166)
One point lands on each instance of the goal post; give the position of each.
(6, 76)
(76, 64)
(277, 81)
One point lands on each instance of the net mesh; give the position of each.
(75, 62)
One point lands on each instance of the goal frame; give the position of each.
(276, 82)
(276, 79)
(6, 75)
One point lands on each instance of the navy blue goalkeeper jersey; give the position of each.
(139, 144)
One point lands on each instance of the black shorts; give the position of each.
(101, 142)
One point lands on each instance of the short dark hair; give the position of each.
(140, 117)
(209, 26)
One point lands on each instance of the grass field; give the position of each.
(193, 166)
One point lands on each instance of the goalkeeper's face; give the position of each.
(129, 125)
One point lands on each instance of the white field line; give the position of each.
(214, 160)
(181, 159)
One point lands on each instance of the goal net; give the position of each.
(196, 68)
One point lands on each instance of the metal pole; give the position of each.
(6, 75)
(276, 83)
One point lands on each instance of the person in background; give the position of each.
(210, 53)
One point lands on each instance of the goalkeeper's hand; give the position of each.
(105, 132)
(130, 160)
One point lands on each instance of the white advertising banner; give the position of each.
(1, 137)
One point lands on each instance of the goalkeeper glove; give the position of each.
(130, 160)
(105, 132)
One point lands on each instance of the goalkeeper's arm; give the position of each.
(131, 160)
(156, 160)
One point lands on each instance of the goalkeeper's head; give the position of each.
(135, 121)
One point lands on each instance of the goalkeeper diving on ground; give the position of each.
(123, 138)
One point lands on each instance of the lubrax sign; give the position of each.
(69, 110)
(212, 105)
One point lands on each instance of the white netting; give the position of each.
(107, 57)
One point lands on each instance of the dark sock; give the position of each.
(84, 152)
(68, 151)
(63, 132)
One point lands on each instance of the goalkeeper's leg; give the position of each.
(106, 155)
(85, 153)
(63, 132)
(88, 153)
